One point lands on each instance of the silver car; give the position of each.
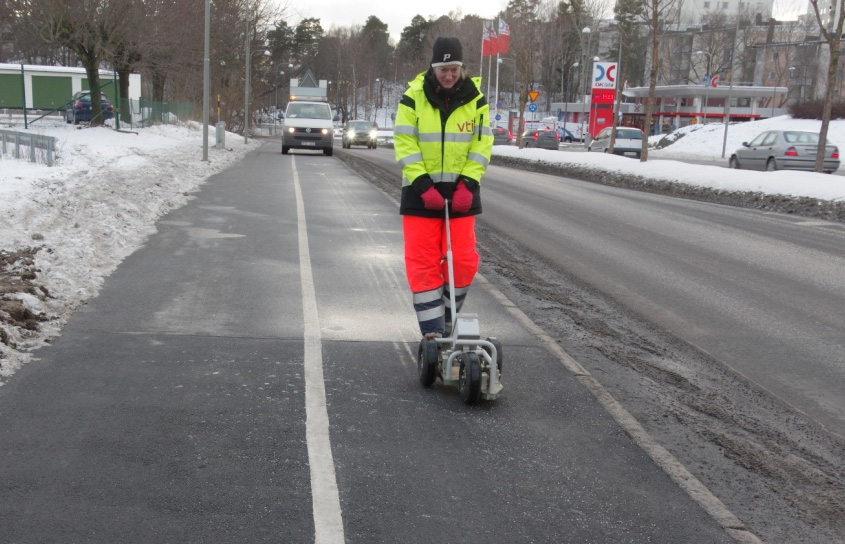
(784, 150)
(629, 141)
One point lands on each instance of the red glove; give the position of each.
(461, 198)
(433, 200)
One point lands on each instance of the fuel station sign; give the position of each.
(603, 96)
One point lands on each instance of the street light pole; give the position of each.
(206, 80)
(591, 125)
(247, 62)
(707, 78)
(566, 97)
(731, 87)
(584, 52)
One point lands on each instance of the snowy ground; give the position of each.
(82, 217)
(64, 229)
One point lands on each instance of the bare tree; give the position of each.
(653, 14)
(89, 28)
(523, 17)
(831, 35)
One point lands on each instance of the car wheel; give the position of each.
(285, 150)
(568, 140)
(734, 163)
(328, 152)
(770, 165)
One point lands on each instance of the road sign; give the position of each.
(498, 105)
(498, 117)
(533, 95)
(532, 107)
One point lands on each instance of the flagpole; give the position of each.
(496, 98)
(489, 71)
(481, 60)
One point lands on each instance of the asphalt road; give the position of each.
(254, 364)
(763, 293)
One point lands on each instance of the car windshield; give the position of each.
(360, 125)
(629, 134)
(309, 111)
(801, 137)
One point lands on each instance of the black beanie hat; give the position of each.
(447, 51)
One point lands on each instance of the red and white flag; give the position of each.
(503, 44)
(488, 46)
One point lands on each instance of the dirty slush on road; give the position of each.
(776, 470)
(779, 472)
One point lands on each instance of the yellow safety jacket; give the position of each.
(439, 137)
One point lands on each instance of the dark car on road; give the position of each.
(784, 150)
(541, 138)
(502, 136)
(360, 133)
(79, 107)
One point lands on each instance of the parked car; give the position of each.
(543, 138)
(79, 107)
(308, 125)
(360, 133)
(629, 141)
(784, 150)
(502, 136)
(570, 132)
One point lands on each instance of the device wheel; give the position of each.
(734, 163)
(469, 379)
(499, 355)
(285, 150)
(427, 361)
(770, 165)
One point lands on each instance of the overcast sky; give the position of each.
(398, 13)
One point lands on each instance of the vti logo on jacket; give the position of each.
(467, 126)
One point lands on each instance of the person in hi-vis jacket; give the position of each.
(443, 143)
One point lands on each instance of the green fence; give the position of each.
(147, 112)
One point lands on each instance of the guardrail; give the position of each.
(22, 140)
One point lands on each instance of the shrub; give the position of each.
(812, 109)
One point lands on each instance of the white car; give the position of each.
(629, 141)
(308, 125)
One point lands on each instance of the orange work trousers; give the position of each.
(428, 270)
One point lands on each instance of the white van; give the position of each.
(308, 125)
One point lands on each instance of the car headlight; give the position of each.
(291, 130)
(325, 131)
(351, 133)
(373, 134)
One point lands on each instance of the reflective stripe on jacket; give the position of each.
(437, 142)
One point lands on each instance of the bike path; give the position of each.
(171, 409)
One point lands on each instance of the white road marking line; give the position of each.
(325, 499)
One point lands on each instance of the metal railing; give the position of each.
(21, 141)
